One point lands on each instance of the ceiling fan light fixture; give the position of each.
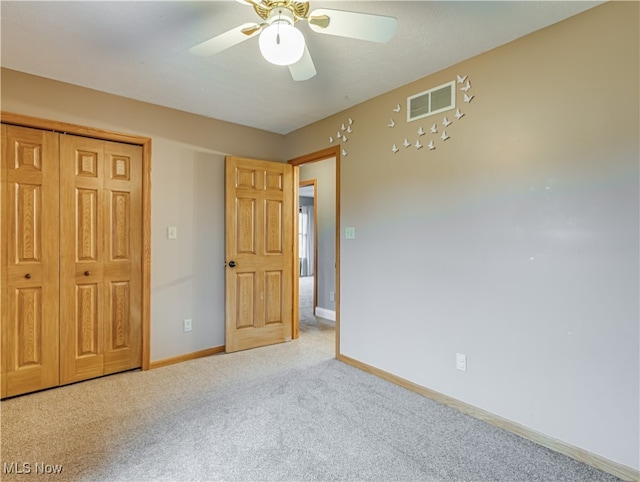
(281, 43)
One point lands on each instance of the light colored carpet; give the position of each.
(288, 412)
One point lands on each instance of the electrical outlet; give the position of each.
(461, 362)
(332, 296)
(186, 325)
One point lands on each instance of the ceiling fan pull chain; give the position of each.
(278, 33)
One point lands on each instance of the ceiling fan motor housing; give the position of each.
(281, 15)
(299, 10)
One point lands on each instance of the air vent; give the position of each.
(431, 101)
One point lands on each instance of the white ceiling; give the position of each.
(140, 50)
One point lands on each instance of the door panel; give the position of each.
(123, 257)
(273, 301)
(81, 258)
(100, 257)
(259, 236)
(87, 224)
(30, 304)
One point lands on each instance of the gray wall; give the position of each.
(187, 273)
(325, 204)
(514, 242)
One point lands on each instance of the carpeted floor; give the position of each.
(289, 412)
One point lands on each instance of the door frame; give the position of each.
(145, 143)
(329, 153)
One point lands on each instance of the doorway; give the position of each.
(308, 242)
(316, 317)
(316, 276)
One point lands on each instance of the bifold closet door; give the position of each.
(100, 257)
(29, 247)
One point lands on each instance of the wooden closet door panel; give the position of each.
(101, 256)
(122, 257)
(4, 215)
(30, 274)
(82, 258)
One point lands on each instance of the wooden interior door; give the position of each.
(100, 262)
(30, 276)
(258, 250)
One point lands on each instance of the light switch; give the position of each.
(350, 232)
(461, 362)
(172, 232)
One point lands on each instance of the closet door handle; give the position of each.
(232, 264)
(28, 275)
(87, 273)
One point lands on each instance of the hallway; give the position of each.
(309, 323)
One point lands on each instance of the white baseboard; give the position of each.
(324, 313)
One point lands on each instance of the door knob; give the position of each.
(87, 273)
(232, 264)
(28, 275)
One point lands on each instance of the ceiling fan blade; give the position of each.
(363, 26)
(225, 40)
(303, 69)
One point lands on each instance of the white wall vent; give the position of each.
(432, 101)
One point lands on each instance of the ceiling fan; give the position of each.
(281, 43)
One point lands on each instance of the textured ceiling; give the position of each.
(140, 50)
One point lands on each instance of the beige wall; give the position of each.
(187, 191)
(515, 242)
